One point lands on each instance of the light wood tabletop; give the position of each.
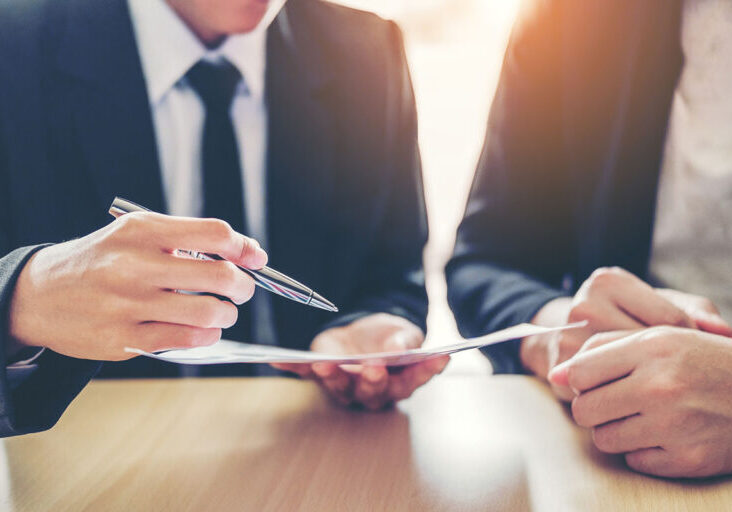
(461, 443)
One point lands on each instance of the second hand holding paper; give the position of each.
(226, 352)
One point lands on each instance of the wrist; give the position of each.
(534, 350)
(534, 355)
(19, 312)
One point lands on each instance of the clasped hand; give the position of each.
(613, 299)
(660, 396)
(651, 374)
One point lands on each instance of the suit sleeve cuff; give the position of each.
(18, 372)
(33, 395)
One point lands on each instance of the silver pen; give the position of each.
(267, 278)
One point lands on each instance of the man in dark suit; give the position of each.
(603, 195)
(196, 108)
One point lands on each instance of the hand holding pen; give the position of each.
(265, 277)
(92, 296)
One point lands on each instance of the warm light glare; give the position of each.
(455, 50)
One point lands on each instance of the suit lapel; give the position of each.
(301, 169)
(618, 106)
(107, 95)
(301, 145)
(104, 92)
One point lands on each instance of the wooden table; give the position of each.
(461, 443)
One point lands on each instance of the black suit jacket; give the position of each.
(345, 205)
(568, 176)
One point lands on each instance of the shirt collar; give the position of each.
(168, 48)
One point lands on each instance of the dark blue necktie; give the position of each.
(216, 83)
(223, 191)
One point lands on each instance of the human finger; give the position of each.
(371, 383)
(334, 380)
(614, 401)
(712, 323)
(595, 367)
(218, 277)
(558, 381)
(562, 392)
(641, 301)
(652, 461)
(700, 309)
(194, 310)
(626, 435)
(603, 338)
(403, 384)
(158, 336)
(602, 314)
(403, 339)
(202, 235)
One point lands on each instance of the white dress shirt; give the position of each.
(168, 49)
(692, 243)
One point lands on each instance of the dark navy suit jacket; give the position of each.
(568, 176)
(345, 202)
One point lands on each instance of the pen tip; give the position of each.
(321, 302)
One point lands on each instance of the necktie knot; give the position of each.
(215, 83)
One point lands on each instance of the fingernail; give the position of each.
(559, 375)
(260, 257)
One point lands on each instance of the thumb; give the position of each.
(396, 342)
(403, 339)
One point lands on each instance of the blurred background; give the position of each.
(455, 50)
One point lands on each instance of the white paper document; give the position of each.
(226, 351)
